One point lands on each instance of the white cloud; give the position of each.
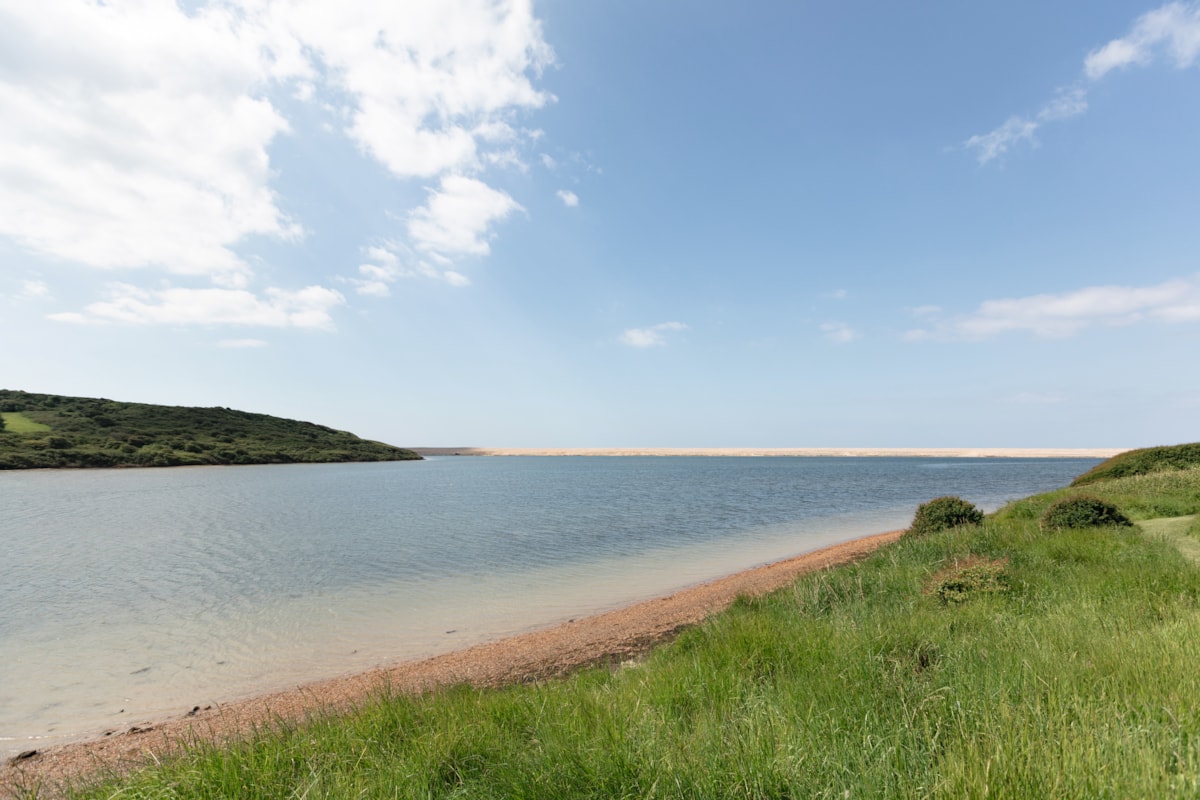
(1037, 399)
(569, 198)
(133, 136)
(1172, 30)
(32, 290)
(1060, 315)
(241, 344)
(307, 308)
(396, 261)
(457, 218)
(839, 332)
(652, 336)
(428, 82)
(137, 134)
(992, 145)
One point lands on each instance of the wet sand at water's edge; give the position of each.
(611, 637)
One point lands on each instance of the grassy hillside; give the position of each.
(1062, 664)
(1143, 462)
(42, 430)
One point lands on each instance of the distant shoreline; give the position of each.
(863, 452)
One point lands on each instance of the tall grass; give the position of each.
(1079, 680)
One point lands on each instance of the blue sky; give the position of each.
(461, 222)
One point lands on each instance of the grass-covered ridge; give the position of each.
(1143, 462)
(1000, 659)
(42, 430)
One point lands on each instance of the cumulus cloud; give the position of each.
(457, 217)
(839, 332)
(133, 136)
(428, 81)
(138, 134)
(306, 308)
(1061, 315)
(1171, 31)
(654, 336)
(569, 198)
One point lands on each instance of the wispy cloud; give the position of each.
(839, 332)
(307, 308)
(394, 261)
(1061, 315)
(1171, 31)
(29, 290)
(569, 198)
(1036, 399)
(654, 336)
(241, 344)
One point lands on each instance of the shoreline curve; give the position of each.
(610, 637)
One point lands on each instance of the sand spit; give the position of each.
(608, 638)
(924, 452)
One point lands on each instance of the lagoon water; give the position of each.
(127, 595)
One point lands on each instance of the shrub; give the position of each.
(1083, 511)
(944, 512)
(975, 576)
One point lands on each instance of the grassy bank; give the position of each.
(1069, 672)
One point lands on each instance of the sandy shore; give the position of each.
(925, 452)
(611, 637)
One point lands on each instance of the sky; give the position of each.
(610, 224)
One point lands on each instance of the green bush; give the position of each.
(1083, 511)
(944, 512)
(959, 583)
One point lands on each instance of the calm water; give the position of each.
(130, 594)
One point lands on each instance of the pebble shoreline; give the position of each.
(608, 638)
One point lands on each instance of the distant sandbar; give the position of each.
(924, 452)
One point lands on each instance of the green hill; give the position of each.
(1143, 462)
(46, 430)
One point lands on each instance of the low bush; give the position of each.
(942, 513)
(974, 576)
(1083, 511)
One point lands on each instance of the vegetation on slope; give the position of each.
(1143, 462)
(1001, 659)
(42, 430)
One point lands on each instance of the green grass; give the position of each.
(16, 422)
(53, 431)
(1143, 462)
(1157, 494)
(1073, 676)
(1180, 532)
